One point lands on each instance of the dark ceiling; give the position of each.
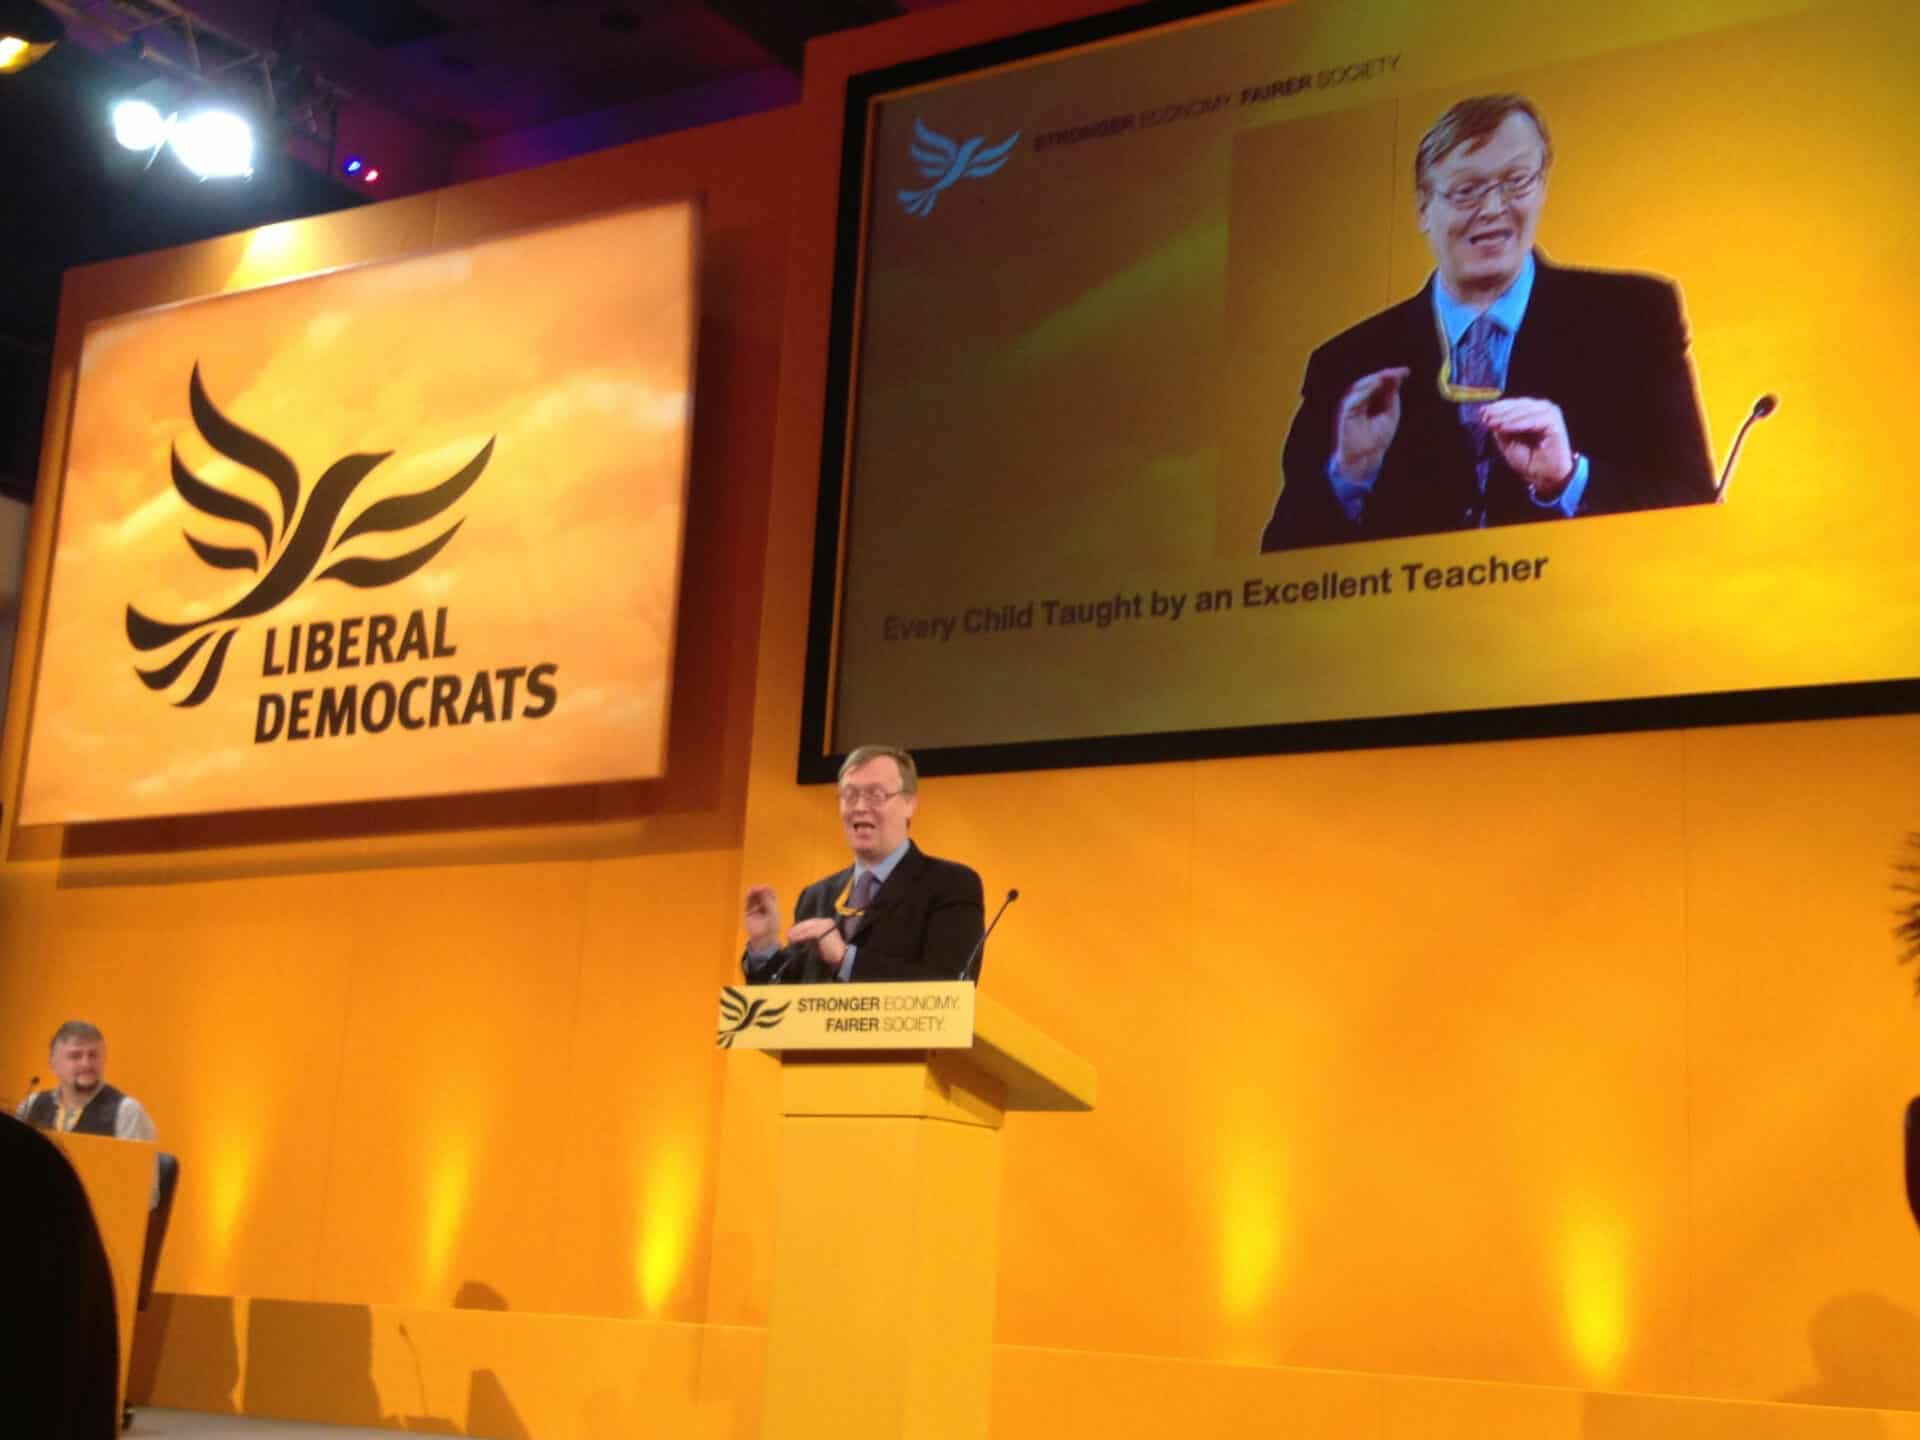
(438, 85)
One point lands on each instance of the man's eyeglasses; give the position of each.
(1469, 195)
(872, 795)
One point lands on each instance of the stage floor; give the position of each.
(185, 1425)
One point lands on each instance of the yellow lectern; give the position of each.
(887, 1218)
(118, 1176)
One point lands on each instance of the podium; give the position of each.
(886, 1221)
(118, 1178)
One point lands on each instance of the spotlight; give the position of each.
(27, 32)
(370, 177)
(215, 144)
(353, 166)
(138, 125)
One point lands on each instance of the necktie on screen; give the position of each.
(1473, 366)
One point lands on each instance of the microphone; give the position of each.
(971, 970)
(1762, 408)
(778, 974)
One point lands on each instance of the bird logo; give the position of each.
(745, 1015)
(293, 549)
(943, 162)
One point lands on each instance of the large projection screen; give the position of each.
(1086, 276)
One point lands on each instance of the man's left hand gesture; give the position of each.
(823, 934)
(1532, 436)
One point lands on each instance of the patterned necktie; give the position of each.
(1473, 367)
(864, 884)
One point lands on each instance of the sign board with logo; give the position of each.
(934, 1015)
(409, 528)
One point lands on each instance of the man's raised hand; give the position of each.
(1368, 419)
(1532, 436)
(763, 918)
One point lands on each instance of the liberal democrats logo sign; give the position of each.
(399, 528)
(740, 1016)
(283, 548)
(944, 163)
(287, 551)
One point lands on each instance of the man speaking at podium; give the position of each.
(896, 913)
(1509, 389)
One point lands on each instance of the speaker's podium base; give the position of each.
(886, 1223)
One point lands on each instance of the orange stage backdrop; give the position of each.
(407, 528)
(1564, 1063)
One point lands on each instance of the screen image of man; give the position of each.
(81, 1101)
(895, 913)
(1510, 389)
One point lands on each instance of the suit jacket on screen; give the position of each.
(921, 925)
(1609, 349)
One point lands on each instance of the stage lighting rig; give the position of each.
(213, 138)
(232, 98)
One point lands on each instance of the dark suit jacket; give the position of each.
(922, 925)
(1609, 349)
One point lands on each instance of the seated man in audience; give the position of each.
(82, 1102)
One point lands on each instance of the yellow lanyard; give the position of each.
(840, 905)
(1457, 394)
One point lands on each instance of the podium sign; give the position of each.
(927, 1015)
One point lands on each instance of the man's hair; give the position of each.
(1470, 123)
(861, 754)
(76, 1030)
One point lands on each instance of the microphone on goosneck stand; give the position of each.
(971, 970)
(778, 974)
(32, 1085)
(1762, 408)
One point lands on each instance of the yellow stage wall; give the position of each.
(1573, 1063)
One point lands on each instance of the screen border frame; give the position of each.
(817, 763)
